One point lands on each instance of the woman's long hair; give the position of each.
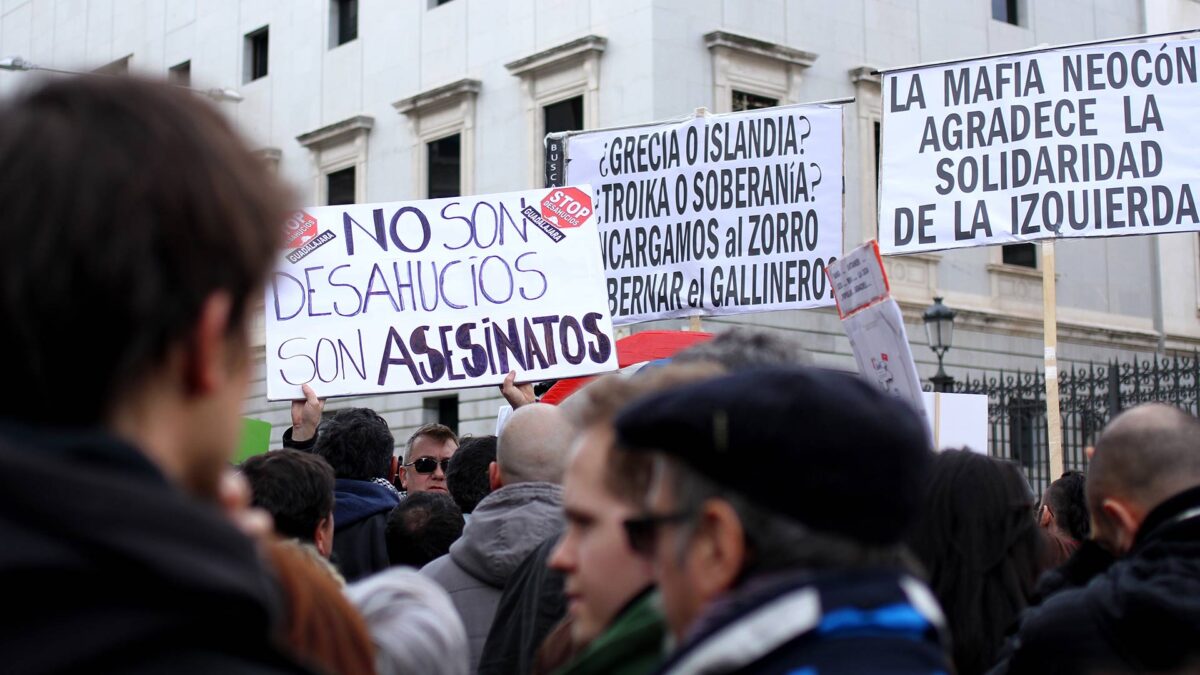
(978, 542)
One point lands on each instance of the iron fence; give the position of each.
(1090, 395)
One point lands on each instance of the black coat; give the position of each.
(1141, 614)
(108, 568)
(532, 603)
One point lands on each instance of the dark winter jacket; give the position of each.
(1142, 614)
(853, 621)
(531, 605)
(109, 568)
(360, 512)
(505, 528)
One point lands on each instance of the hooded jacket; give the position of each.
(845, 621)
(109, 568)
(360, 513)
(505, 528)
(1142, 614)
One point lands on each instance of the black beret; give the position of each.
(826, 448)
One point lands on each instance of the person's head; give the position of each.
(426, 457)
(467, 476)
(1064, 507)
(413, 623)
(296, 488)
(1143, 457)
(532, 447)
(322, 628)
(133, 209)
(603, 487)
(840, 494)
(422, 528)
(357, 443)
(977, 540)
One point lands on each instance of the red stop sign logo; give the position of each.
(567, 207)
(300, 228)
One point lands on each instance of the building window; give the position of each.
(747, 101)
(256, 55)
(116, 68)
(181, 74)
(1022, 255)
(340, 187)
(445, 167)
(1006, 11)
(343, 24)
(442, 410)
(563, 116)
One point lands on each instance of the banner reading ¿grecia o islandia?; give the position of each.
(718, 214)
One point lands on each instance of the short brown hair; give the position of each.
(627, 475)
(127, 204)
(438, 432)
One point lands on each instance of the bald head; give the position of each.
(533, 445)
(1145, 456)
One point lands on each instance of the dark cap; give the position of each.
(826, 448)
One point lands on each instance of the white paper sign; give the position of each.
(438, 294)
(724, 214)
(880, 346)
(874, 324)
(957, 421)
(858, 279)
(1084, 142)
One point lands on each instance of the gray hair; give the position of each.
(413, 624)
(533, 445)
(773, 541)
(743, 348)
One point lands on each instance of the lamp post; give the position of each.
(219, 94)
(939, 329)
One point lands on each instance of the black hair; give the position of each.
(127, 205)
(1067, 500)
(467, 475)
(357, 444)
(295, 487)
(422, 528)
(980, 545)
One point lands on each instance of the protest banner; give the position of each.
(438, 294)
(1086, 141)
(874, 324)
(714, 214)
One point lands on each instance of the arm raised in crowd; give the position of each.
(306, 416)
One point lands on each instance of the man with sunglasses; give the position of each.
(776, 510)
(426, 458)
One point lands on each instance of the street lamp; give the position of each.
(939, 328)
(218, 94)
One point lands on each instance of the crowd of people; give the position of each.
(737, 510)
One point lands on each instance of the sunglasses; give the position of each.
(428, 464)
(642, 532)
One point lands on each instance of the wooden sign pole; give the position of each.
(1050, 333)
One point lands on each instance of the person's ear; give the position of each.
(719, 549)
(1045, 516)
(207, 353)
(494, 481)
(402, 476)
(323, 536)
(1125, 522)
